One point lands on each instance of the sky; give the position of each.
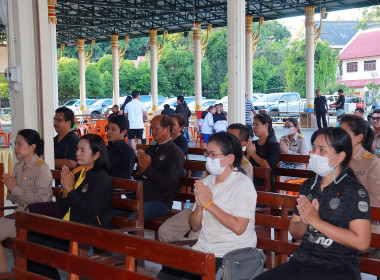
(294, 22)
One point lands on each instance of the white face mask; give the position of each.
(288, 131)
(320, 165)
(213, 166)
(244, 148)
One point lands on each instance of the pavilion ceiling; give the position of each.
(97, 19)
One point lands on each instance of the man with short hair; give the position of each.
(160, 167)
(360, 113)
(219, 112)
(320, 109)
(66, 141)
(115, 111)
(249, 110)
(135, 112)
(177, 226)
(122, 157)
(339, 104)
(375, 121)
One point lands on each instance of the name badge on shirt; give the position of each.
(360, 173)
(28, 177)
(85, 188)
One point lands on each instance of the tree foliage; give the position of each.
(369, 15)
(94, 84)
(68, 79)
(3, 87)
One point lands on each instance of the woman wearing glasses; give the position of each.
(266, 151)
(225, 204)
(375, 121)
(293, 142)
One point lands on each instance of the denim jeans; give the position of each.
(339, 112)
(153, 209)
(186, 133)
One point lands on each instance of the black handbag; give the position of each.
(241, 264)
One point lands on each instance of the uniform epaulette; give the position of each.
(39, 161)
(301, 135)
(368, 155)
(78, 169)
(17, 163)
(244, 161)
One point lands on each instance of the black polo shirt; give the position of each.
(320, 104)
(339, 204)
(67, 148)
(122, 158)
(340, 102)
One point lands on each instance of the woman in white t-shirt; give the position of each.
(225, 204)
(208, 125)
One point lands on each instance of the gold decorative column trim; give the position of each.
(51, 11)
(114, 41)
(204, 43)
(152, 36)
(317, 31)
(81, 45)
(248, 24)
(60, 51)
(122, 52)
(197, 30)
(309, 14)
(160, 48)
(255, 38)
(87, 55)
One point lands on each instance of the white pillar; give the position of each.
(197, 65)
(309, 24)
(236, 61)
(52, 20)
(248, 56)
(115, 67)
(82, 75)
(32, 103)
(153, 68)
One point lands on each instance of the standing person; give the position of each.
(266, 151)
(179, 123)
(249, 111)
(339, 104)
(331, 216)
(30, 182)
(360, 113)
(135, 112)
(126, 101)
(121, 156)
(66, 141)
(208, 125)
(375, 121)
(184, 111)
(320, 109)
(220, 114)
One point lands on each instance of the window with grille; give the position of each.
(352, 67)
(370, 65)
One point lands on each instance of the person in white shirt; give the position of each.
(208, 125)
(136, 113)
(221, 125)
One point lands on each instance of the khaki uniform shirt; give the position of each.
(298, 145)
(376, 144)
(34, 182)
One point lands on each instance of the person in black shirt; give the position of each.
(121, 155)
(320, 109)
(184, 111)
(331, 215)
(266, 151)
(339, 104)
(167, 110)
(177, 133)
(115, 111)
(219, 114)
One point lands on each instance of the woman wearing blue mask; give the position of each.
(225, 204)
(331, 215)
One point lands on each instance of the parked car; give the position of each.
(224, 100)
(146, 99)
(97, 107)
(280, 102)
(74, 104)
(205, 103)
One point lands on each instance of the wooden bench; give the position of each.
(130, 246)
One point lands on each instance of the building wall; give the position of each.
(360, 74)
(3, 59)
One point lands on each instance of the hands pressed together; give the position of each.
(251, 148)
(284, 146)
(9, 181)
(67, 180)
(144, 160)
(203, 194)
(308, 211)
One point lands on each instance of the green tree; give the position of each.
(326, 63)
(3, 87)
(371, 14)
(68, 79)
(141, 80)
(105, 64)
(94, 83)
(271, 31)
(126, 75)
(108, 84)
(136, 47)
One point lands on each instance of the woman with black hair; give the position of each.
(126, 101)
(331, 216)
(30, 182)
(185, 112)
(179, 123)
(364, 163)
(225, 204)
(264, 152)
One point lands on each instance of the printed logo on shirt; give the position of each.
(161, 157)
(334, 203)
(361, 193)
(360, 173)
(85, 188)
(320, 239)
(363, 206)
(310, 197)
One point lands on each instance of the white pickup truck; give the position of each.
(289, 102)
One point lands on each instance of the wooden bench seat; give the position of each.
(130, 246)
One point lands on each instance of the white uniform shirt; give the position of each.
(236, 196)
(207, 124)
(135, 109)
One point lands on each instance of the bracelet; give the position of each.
(208, 204)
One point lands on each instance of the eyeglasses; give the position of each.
(211, 155)
(58, 120)
(288, 126)
(375, 119)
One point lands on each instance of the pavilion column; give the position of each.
(52, 20)
(236, 61)
(153, 68)
(248, 56)
(197, 65)
(309, 26)
(82, 74)
(115, 67)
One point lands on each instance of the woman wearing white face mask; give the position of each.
(331, 216)
(225, 203)
(294, 143)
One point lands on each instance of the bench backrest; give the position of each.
(133, 247)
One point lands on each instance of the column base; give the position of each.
(198, 108)
(82, 112)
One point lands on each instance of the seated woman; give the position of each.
(331, 216)
(264, 152)
(366, 166)
(294, 143)
(30, 182)
(225, 222)
(179, 123)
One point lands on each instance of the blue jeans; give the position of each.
(186, 133)
(339, 112)
(153, 209)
